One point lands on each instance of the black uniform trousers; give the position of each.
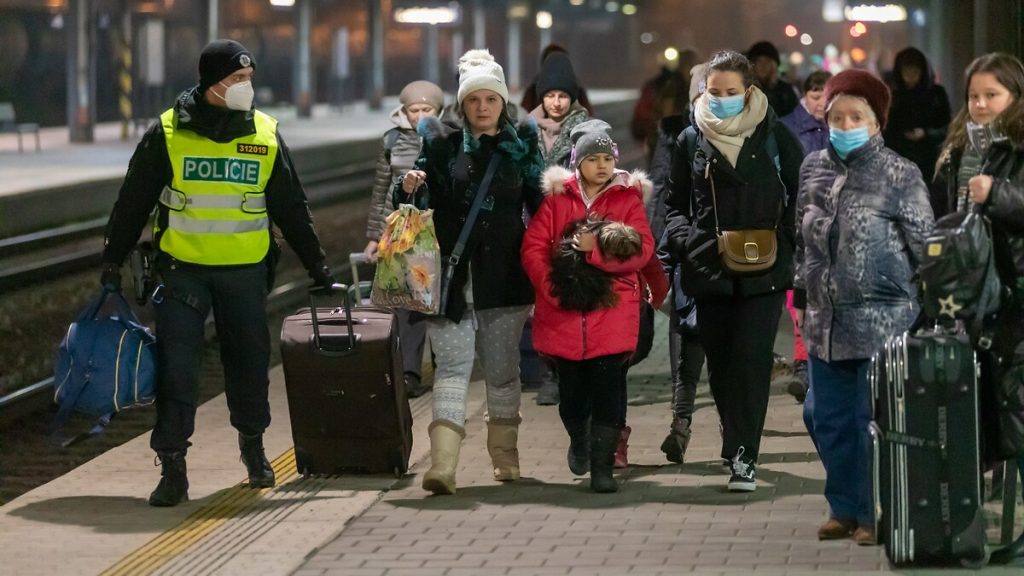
(238, 297)
(738, 335)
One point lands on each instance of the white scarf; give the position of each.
(728, 134)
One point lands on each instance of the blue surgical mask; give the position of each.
(725, 107)
(846, 141)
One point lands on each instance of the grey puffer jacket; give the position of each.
(861, 226)
(392, 164)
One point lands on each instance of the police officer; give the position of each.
(218, 173)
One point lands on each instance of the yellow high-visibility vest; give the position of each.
(216, 206)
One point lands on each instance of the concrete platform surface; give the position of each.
(666, 519)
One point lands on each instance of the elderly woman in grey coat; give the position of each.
(862, 216)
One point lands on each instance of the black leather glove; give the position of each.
(322, 277)
(110, 279)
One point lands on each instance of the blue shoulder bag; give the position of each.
(105, 364)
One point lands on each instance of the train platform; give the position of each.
(69, 182)
(666, 519)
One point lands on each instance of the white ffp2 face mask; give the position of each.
(238, 96)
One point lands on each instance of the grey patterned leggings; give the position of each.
(494, 335)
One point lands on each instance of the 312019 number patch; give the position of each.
(260, 149)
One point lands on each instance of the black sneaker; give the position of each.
(744, 473)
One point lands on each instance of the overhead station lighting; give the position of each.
(806, 39)
(427, 14)
(832, 10)
(791, 31)
(629, 9)
(876, 13)
(544, 20)
(517, 11)
(671, 54)
(282, 3)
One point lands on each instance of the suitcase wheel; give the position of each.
(400, 466)
(302, 462)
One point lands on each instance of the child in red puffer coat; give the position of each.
(590, 348)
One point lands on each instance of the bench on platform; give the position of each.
(10, 124)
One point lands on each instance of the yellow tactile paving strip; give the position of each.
(193, 529)
(204, 540)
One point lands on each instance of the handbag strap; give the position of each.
(714, 198)
(474, 210)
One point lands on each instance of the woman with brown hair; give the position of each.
(982, 163)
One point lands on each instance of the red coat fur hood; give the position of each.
(554, 180)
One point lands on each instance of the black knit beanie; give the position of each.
(763, 48)
(556, 74)
(219, 59)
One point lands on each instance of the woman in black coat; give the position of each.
(739, 157)
(919, 114)
(490, 296)
(983, 163)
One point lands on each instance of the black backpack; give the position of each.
(958, 270)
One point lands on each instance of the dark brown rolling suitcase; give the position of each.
(346, 396)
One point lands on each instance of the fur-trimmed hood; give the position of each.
(555, 180)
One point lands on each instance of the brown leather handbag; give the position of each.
(744, 252)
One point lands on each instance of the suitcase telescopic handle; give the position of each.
(354, 260)
(321, 292)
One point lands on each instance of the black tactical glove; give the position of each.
(110, 279)
(322, 277)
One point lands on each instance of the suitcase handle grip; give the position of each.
(320, 292)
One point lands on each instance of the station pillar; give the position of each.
(81, 71)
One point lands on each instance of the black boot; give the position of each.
(261, 475)
(603, 440)
(1011, 554)
(579, 446)
(173, 486)
(674, 445)
(797, 385)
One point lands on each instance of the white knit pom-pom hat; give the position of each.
(479, 71)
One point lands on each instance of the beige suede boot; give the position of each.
(445, 442)
(502, 437)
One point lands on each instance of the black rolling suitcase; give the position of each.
(346, 395)
(925, 450)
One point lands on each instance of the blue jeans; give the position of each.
(840, 413)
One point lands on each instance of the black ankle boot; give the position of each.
(579, 447)
(1011, 554)
(603, 440)
(261, 475)
(173, 486)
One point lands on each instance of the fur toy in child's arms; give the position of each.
(575, 283)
